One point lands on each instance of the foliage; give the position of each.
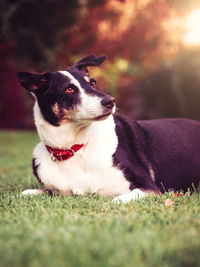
(88, 230)
(36, 26)
(39, 29)
(42, 32)
(173, 90)
(139, 38)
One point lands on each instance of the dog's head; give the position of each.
(69, 95)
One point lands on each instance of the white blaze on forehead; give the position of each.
(72, 79)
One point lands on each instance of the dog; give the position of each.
(86, 147)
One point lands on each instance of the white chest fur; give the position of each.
(90, 170)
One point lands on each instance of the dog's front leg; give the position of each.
(34, 192)
(133, 195)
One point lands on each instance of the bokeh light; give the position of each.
(192, 28)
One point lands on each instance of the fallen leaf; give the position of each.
(169, 202)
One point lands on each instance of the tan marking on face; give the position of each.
(69, 114)
(56, 109)
(62, 114)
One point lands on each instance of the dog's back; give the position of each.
(167, 150)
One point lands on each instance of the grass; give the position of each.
(88, 230)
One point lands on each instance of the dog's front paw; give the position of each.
(126, 198)
(32, 192)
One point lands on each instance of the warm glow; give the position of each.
(122, 64)
(127, 11)
(192, 27)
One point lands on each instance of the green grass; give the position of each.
(88, 230)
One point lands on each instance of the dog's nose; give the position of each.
(108, 102)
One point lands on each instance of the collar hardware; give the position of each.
(62, 154)
(52, 157)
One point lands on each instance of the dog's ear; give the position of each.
(34, 82)
(90, 60)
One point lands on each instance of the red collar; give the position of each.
(62, 154)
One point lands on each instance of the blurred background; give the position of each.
(152, 49)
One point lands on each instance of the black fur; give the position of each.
(50, 92)
(90, 60)
(169, 146)
(35, 170)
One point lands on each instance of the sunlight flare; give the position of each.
(192, 28)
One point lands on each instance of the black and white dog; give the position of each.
(86, 148)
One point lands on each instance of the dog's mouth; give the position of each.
(104, 116)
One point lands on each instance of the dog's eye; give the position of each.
(93, 82)
(69, 90)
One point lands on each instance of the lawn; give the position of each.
(88, 230)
